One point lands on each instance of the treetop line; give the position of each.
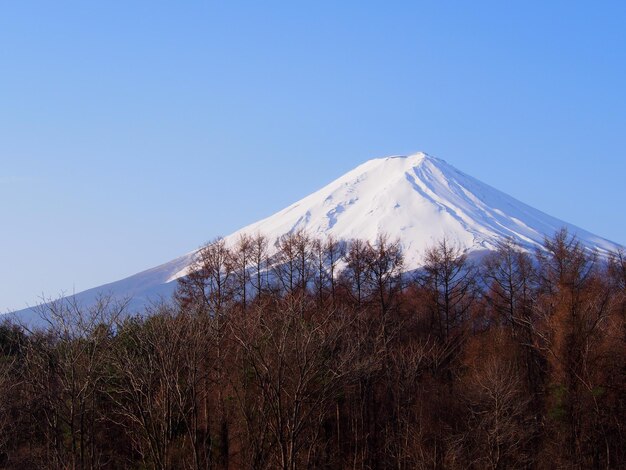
(327, 355)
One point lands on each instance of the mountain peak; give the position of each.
(411, 159)
(385, 170)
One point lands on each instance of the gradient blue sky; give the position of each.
(132, 132)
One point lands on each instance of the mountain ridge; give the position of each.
(416, 198)
(421, 199)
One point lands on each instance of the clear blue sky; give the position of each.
(132, 132)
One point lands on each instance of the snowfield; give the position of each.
(418, 199)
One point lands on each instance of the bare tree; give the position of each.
(499, 427)
(334, 252)
(208, 287)
(450, 282)
(385, 264)
(510, 278)
(320, 281)
(259, 255)
(297, 367)
(243, 253)
(574, 313)
(146, 365)
(12, 345)
(293, 263)
(356, 273)
(64, 368)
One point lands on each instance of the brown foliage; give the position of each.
(321, 354)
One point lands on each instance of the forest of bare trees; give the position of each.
(327, 354)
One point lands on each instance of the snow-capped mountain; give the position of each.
(417, 198)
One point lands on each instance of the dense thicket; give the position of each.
(329, 355)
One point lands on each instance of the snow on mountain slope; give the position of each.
(417, 198)
(420, 199)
